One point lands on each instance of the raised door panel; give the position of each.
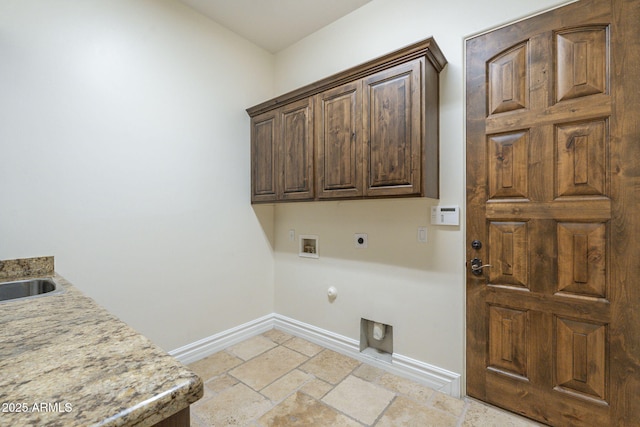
(508, 84)
(581, 359)
(582, 259)
(392, 117)
(508, 341)
(582, 158)
(296, 151)
(509, 157)
(338, 129)
(508, 254)
(264, 157)
(582, 60)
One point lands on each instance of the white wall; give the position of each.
(417, 288)
(124, 152)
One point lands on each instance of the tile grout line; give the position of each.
(273, 404)
(336, 385)
(333, 386)
(374, 381)
(319, 400)
(298, 389)
(322, 402)
(386, 408)
(240, 381)
(464, 414)
(426, 403)
(372, 375)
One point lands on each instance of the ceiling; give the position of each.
(275, 24)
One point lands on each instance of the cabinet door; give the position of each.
(264, 157)
(296, 151)
(392, 117)
(338, 141)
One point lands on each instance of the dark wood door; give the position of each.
(553, 179)
(296, 151)
(338, 130)
(282, 153)
(392, 117)
(264, 157)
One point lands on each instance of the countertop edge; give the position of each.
(130, 352)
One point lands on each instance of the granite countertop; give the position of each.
(66, 361)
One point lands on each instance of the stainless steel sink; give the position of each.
(28, 288)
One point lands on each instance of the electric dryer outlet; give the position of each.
(361, 241)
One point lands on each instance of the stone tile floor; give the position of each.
(276, 379)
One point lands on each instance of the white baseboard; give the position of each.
(432, 376)
(207, 346)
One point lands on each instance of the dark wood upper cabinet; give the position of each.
(264, 157)
(282, 153)
(339, 141)
(392, 128)
(371, 131)
(296, 151)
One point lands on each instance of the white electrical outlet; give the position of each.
(292, 235)
(422, 234)
(360, 240)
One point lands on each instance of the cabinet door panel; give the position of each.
(264, 153)
(392, 117)
(296, 156)
(338, 138)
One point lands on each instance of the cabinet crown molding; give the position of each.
(427, 48)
